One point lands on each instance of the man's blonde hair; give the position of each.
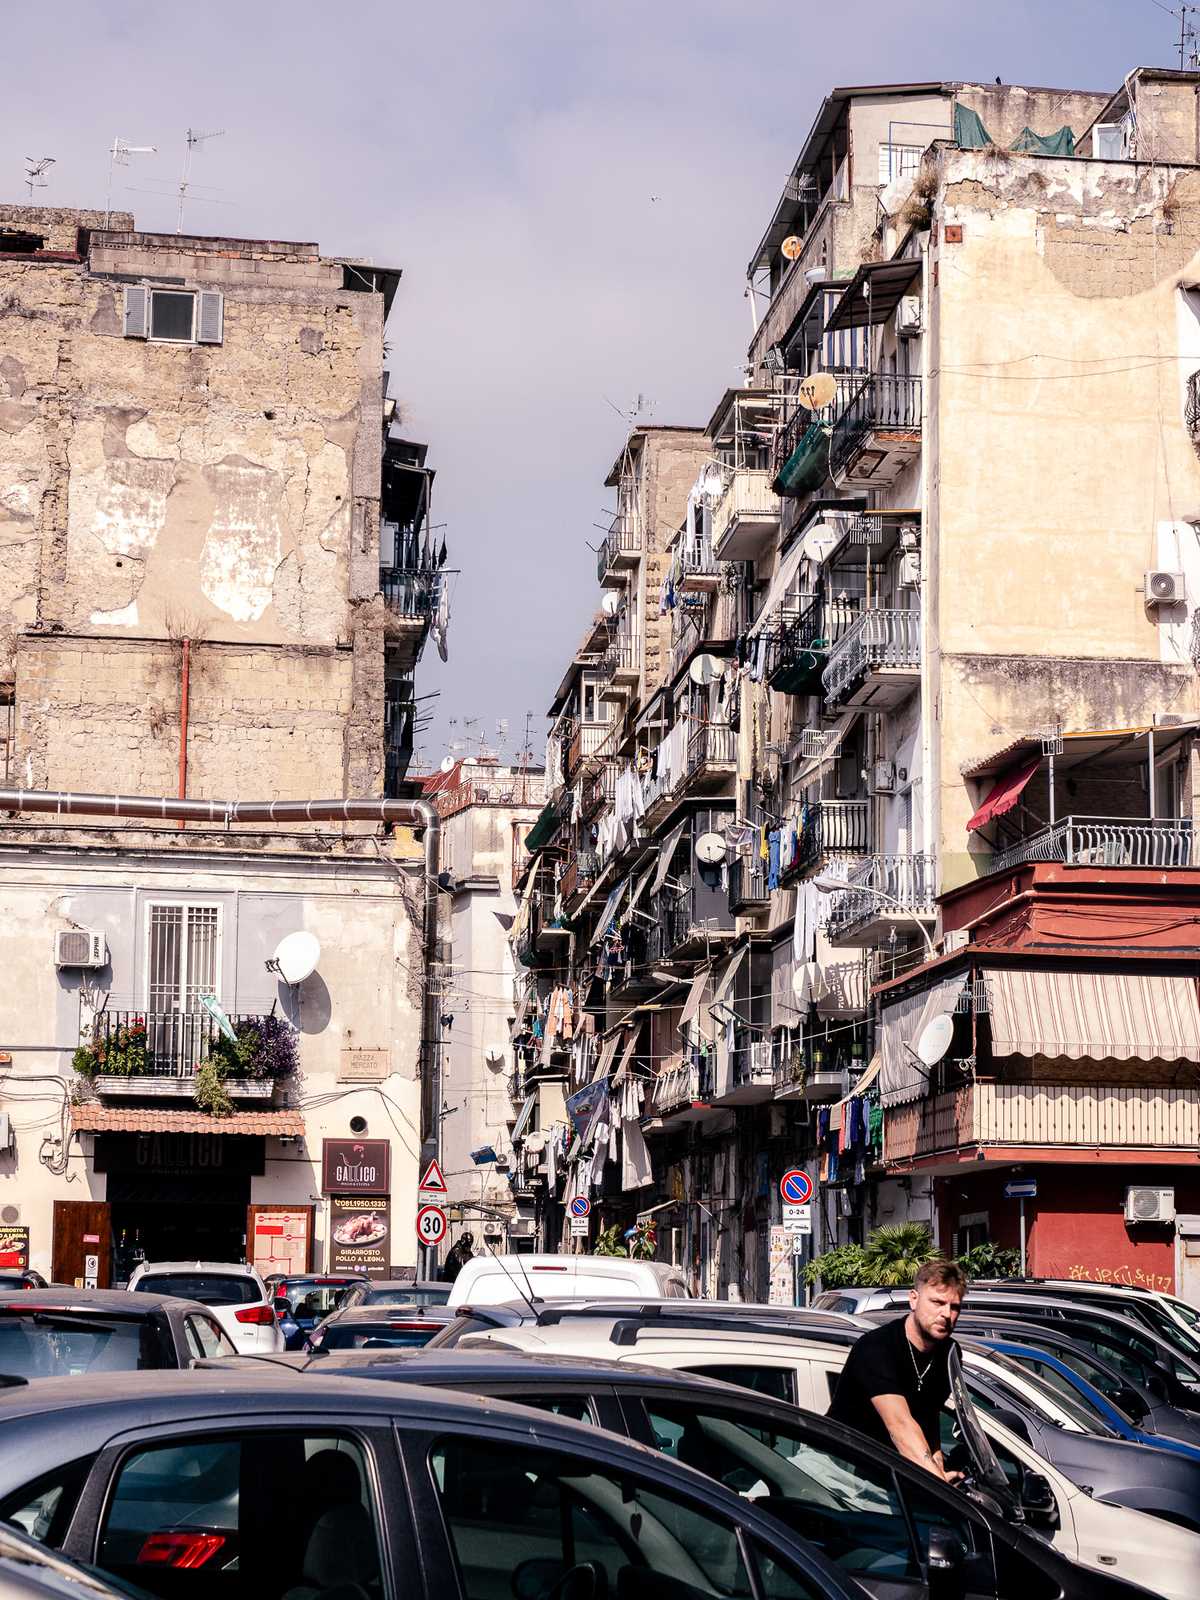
(941, 1275)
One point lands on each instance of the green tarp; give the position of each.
(969, 131)
(806, 464)
(970, 134)
(543, 829)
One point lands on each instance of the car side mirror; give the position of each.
(1132, 1404)
(1037, 1500)
(945, 1562)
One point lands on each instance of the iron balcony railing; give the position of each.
(877, 640)
(812, 627)
(886, 401)
(711, 744)
(1105, 842)
(834, 827)
(883, 884)
(680, 1084)
(748, 881)
(161, 1044)
(584, 739)
(696, 560)
(798, 424)
(753, 1063)
(624, 538)
(408, 592)
(620, 657)
(579, 873)
(600, 789)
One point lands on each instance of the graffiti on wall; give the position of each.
(1132, 1277)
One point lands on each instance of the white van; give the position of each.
(499, 1280)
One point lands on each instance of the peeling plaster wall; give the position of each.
(1059, 463)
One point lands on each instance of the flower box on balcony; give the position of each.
(162, 1086)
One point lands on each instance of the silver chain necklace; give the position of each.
(921, 1376)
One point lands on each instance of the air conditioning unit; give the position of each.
(492, 1230)
(908, 316)
(79, 947)
(883, 777)
(1149, 1205)
(7, 1137)
(908, 574)
(1164, 588)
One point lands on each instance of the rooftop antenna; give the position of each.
(193, 139)
(119, 156)
(35, 173)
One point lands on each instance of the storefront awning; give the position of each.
(903, 1076)
(111, 1119)
(1097, 1016)
(1004, 795)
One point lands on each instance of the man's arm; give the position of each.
(905, 1434)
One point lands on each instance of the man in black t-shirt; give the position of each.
(896, 1379)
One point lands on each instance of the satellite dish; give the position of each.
(792, 246)
(710, 849)
(819, 541)
(934, 1039)
(296, 956)
(705, 668)
(817, 390)
(611, 603)
(447, 764)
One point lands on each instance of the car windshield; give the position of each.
(67, 1344)
(405, 1294)
(210, 1288)
(308, 1298)
(375, 1336)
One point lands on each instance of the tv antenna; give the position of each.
(35, 173)
(119, 156)
(193, 139)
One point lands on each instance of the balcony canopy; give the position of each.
(1095, 1016)
(1004, 794)
(1106, 747)
(874, 292)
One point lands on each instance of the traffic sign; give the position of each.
(580, 1227)
(431, 1225)
(433, 1182)
(581, 1206)
(796, 1187)
(1021, 1189)
(798, 1219)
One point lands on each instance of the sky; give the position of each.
(572, 190)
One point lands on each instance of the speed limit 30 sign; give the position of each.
(431, 1224)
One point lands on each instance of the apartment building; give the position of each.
(218, 576)
(893, 867)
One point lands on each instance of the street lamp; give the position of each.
(827, 883)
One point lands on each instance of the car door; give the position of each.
(246, 1507)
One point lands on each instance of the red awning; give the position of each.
(1005, 794)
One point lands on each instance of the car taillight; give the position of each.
(179, 1550)
(260, 1316)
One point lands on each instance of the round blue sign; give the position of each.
(580, 1206)
(796, 1187)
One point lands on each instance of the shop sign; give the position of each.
(355, 1166)
(14, 1248)
(360, 1235)
(280, 1242)
(184, 1154)
(364, 1066)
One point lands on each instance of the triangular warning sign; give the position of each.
(433, 1182)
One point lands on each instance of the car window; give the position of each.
(373, 1336)
(278, 1512)
(210, 1288)
(1066, 1392)
(401, 1296)
(520, 1519)
(777, 1382)
(210, 1336)
(52, 1344)
(576, 1406)
(313, 1300)
(43, 1509)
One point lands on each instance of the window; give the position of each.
(898, 161)
(777, 1382)
(520, 1519)
(174, 316)
(183, 962)
(576, 1406)
(265, 1512)
(206, 1339)
(210, 1288)
(48, 1344)
(43, 1509)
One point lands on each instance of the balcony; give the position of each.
(805, 1074)
(599, 790)
(748, 883)
(876, 663)
(877, 432)
(703, 622)
(149, 1053)
(579, 873)
(409, 592)
(882, 893)
(833, 828)
(621, 549)
(1104, 842)
(619, 668)
(801, 458)
(1053, 1115)
(800, 642)
(584, 740)
(711, 757)
(752, 1075)
(685, 918)
(682, 1092)
(745, 517)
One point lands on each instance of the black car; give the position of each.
(378, 1328)
(396, 1292)
(53, 1333)
(28, 1571)
(226, 1484)
(20, 1278)
(301, 1302)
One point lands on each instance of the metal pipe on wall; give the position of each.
(184, 678)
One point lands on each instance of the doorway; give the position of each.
(160, 1218)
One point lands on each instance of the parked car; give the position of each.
(259, 1483)
(55, 1333)
(301, 1302)
(233, 1292)
(823, 1479)
(395, 1292)
(491, 1279)
(1165, 1315)
(860, 1301)
(1091, 1525)
(378, 1328)
(28, 1571)
(21, 1278)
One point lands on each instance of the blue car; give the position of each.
(302, 1302)
(1058, 1375)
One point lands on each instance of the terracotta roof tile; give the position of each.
(114, 1119)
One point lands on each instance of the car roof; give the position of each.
(382, 1314)
(323, 1277)
(742, 1313)
(411, 1285)
(58, 1297)
(240, 1269)
(626, 1331)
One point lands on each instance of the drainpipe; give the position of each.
(183, 722)
(411, 813)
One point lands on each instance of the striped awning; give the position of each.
(1098, 1016)
(903, 1076)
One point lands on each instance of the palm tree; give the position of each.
(896, 1252)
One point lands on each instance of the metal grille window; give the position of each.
(183, 960)
(179, 316)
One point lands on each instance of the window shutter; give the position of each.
(210, 325)
(137, 305)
